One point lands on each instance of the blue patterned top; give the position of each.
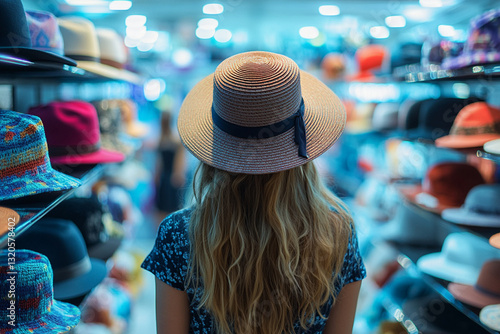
(169, 261)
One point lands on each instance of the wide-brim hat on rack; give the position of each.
(476, 124)
(481, 208)
(18, 39)
(258, 114)
(445, 186)
(82, 43)
(73, 135)
(485, 291)
(490, 316)
(460, 259)
(26, 168)
(8, 220)
(483, 42)
(37, 310)
(492, 146)
(75, 273)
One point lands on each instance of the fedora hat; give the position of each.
(436, 116)
(8, 220)
(460, 259)
(258, 113)
(483, 42)
(481, 207)
(35, 310)
(490, 316)
(73, 136)
(91, 218)
(476, 124)
(75, 273)
(445, 185)
(25, 169)
(37, 42)
(485, 291)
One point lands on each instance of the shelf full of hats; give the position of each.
(67, 167)
(411, 159)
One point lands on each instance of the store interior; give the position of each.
(91, 160)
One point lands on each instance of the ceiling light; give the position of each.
(223, 35)
(87, 2)
(329, 10)
(182, 57)
(213, 8)
(131, 42)
(431, 3)
(136, 32)
(208, 23)
(379, 32)
(446, 30)
(153, 89)
(145, 47)
(150, 37)
(135, 20)
(204, 33)
(309, 32)
(120, 5)
(395, 21)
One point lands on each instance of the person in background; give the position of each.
(170, 175)
(266, 248)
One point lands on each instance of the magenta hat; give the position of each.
(73, 137)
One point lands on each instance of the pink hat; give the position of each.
(72, 130)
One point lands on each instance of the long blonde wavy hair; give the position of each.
(267, 249)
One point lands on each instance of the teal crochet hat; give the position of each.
(34, 309)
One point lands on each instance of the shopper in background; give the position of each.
(266, 248)
(170, 170)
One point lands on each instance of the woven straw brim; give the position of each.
(324, 117)
(61, 318)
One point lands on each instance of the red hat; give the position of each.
(72, 131)
(445, 186)
(370, 57)
(476, 124)
(485, 292)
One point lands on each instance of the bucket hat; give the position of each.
(460, 259)
(8, 219)
(483, 42)
(493, 146)
(490, 316)
(73, 136)
(15, 39)
(75, 274)
(495, 240)
(436, 116)
(476, 124)
(258, 113)
(445, 186)
(481, 207)
(25, 167)
(91, 218)
(485, 291)
(36, 309)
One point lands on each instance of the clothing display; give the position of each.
(107, 109)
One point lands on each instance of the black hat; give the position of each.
(91, 217)
(75, 274)
(15, 39)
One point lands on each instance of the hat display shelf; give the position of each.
(30, 212)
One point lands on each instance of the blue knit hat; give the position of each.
(28, 283)
(25, 169)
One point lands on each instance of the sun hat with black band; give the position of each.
(258, 114)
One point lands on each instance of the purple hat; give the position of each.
(25, 169)
(32, 36)
(483, 42)
(35, 310)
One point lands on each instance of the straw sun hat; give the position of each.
(258, 113)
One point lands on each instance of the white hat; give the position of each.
(493, 146)
(490, 316)
(460, 259)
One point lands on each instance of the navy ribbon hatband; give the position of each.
(260, 132)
